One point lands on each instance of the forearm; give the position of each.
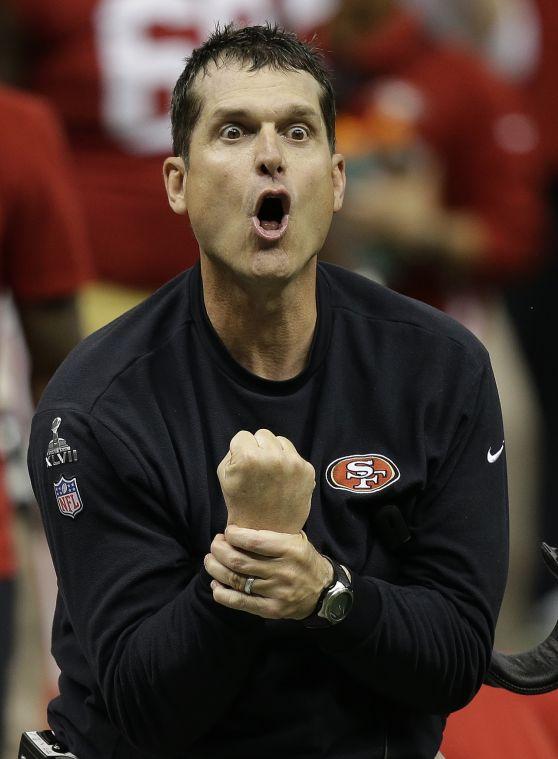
(51, 329)
(458, 238)
(166, 657)
(170, 680)
(411, 645)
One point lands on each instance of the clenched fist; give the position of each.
(266, 484)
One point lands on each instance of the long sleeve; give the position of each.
(425, 641)
(168, 660)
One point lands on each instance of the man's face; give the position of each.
(261, 184)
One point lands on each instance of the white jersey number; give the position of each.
(142, 44)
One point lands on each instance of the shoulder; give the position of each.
(409, 324)
(447, 64)
(23, 110)
(129, 343)
(31, 136)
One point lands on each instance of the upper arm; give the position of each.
(460, 525)
(117, 557)
(498, 174)
(51, 330)
(45, 249)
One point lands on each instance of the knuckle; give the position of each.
(243, 603)
(236, 563)
(288, 578)
(235, 581)
(290, 553)
(253, 543)
(275, 462)
(284, 594)
(264, 431)
(274, 611)
(249, 458)
(290, 464)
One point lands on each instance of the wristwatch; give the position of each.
(335, 601)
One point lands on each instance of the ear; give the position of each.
(175, 174)
(339, 180)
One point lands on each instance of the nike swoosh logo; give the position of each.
(492, 457)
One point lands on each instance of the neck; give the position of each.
(267, 327)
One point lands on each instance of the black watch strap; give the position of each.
(340, 575)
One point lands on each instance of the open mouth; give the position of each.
(272, 215)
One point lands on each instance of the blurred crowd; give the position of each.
(449, 124)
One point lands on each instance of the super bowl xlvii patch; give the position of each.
(68, 497)
(59, 452)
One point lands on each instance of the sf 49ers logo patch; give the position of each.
(365, 473)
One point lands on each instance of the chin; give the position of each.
(273, 263)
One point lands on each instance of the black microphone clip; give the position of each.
(391, 527)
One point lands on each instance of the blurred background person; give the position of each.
(444, 204)
(519, 40)
(43, 262)
(531, 302)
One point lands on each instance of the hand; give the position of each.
(290, 574)
(400, 210)
(265, 483)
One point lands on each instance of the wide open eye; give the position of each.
(232, 132)
(297, 133)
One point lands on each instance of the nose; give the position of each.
(270, 160)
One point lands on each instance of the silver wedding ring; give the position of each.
(248, 585)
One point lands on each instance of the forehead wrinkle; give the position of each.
(212, 85)
(281, 113)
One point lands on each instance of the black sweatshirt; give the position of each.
(396, 406)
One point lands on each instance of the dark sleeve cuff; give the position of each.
(359, 625)
(239, 620)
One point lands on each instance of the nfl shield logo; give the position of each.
(68, 497)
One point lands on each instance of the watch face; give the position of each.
(339, 605)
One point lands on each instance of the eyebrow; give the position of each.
(289, 112)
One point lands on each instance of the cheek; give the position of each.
(319, 198)
(202, 200)
(212, 188)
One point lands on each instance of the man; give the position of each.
(278, 510)
(43, 262)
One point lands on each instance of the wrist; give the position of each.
(336, 597)
(328, 575)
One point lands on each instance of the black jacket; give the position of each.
(145, 408)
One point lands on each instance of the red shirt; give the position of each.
(43, 252)
(502, 724)
(42, 242)
(474, 124)
(109, 67)
(540, 89)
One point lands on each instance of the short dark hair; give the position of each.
(257, 47)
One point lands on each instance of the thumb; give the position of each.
(223, 466)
